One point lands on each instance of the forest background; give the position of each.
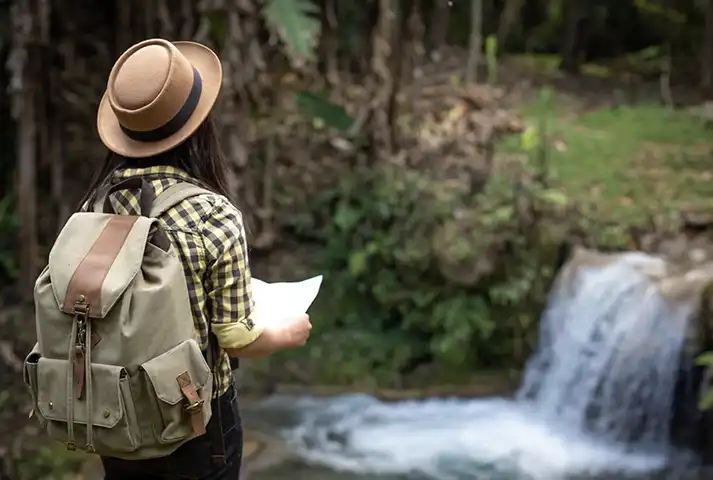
(436, 160)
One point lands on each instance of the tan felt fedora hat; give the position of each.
(157, 95)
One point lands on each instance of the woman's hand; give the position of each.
(295, 331)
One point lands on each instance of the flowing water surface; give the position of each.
(595, 403)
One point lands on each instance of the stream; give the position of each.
(595, 403)
(359, 437)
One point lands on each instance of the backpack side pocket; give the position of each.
(29, 375)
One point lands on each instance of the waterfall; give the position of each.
(595, 402)
(609, 354)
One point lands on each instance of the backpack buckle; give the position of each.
(81, 307)
(195, 403)
(195, 407)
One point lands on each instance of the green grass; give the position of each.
(631, 66)
(630, 162)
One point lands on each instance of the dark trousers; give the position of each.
(194, 460)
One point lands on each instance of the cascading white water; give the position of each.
(609, 355)
(596, 399)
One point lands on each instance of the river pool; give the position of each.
(356, 437)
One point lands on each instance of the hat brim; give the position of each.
(208, 65)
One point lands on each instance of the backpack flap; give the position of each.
(95, 258)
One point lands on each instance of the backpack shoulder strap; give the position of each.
(174, 195)
(171, 197)
(102, 201)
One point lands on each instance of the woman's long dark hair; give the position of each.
(201, 156)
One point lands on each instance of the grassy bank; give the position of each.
(625, 163)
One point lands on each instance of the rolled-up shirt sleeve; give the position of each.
(228, 281)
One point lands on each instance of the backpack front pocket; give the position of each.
(113, 418)
(181, 385)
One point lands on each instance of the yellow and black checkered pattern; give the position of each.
(207, 233)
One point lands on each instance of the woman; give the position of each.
(155, 120)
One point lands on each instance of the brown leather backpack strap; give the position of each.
(195, 403)
(95, 201)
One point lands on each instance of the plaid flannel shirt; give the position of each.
(208, 235)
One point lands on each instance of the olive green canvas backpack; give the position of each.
(117, 369)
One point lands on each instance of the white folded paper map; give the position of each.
(275, 302)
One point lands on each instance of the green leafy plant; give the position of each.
(389, 309)
(491, 58)
(321, 109)
(706, 400)
(297, 24)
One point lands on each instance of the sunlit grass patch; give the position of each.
(537, 64)
(630, 161)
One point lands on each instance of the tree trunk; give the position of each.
(439, 28)
(242, 63)
(329, 42)
(508, 19)
(413, 33)
(27, 21)
(571, 61)
(707, 52)
(383, 84)
(475, 48)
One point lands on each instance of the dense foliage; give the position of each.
(365, 145)
(434, 255)
(410, 286)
